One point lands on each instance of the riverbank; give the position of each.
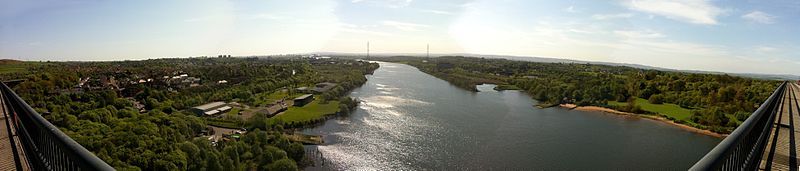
(652, 117)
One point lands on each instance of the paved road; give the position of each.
(782, 147)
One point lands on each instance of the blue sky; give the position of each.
(756, 36)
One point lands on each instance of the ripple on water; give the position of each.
(342, 121)
(394, 100)
(388, 88)
(389, 134)
(390, 122)
(358, 159)
(361, 150)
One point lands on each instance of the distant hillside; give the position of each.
(8, 61)
(558, 60)
(11, 66)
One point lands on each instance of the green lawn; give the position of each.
(668, 109)
(234, 111)
(308, 112)
(218, 122)
(267, 98)
(12, 67)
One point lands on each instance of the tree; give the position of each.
(678, 85)
(649, 91)
(726, 94)
(151, 103)
(264, 159)
(296, 151)
(275, 152)
(741, 116)
(656, 99)
(283, 165)
(258, 122)
(213, 163)
(195, 161)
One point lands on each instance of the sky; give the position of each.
(741, 36)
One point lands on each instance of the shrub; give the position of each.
(656, 99)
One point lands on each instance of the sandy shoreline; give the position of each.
(653, 117)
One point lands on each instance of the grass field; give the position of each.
(668, 109)
(14, 66)
(267, 98)
(223, 123)
(310, 111)
(234, 111)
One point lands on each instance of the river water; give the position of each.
(410, 120)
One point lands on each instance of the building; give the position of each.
(303, 100)
(273, 110)
(318, 88)
(303, 90)
(324, 87)
(180, 81)
(211, 109)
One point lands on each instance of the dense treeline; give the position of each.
(721, 101)
(165, 137)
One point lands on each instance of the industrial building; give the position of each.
(211, 109)
(303, 100)
(319, 88)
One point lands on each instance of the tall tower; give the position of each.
(428, 51)
(367, 49)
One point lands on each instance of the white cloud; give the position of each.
(692, 11)
(387, 3)
(582, 31)
(208, 18)
(571, 9)
(266, 16)
(404, 26)
(759, 17)
(352, 28)
(34, 43)
(638, 33)
(765, 49)
(612, 16)
(677, 47)
(438, 12)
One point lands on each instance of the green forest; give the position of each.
(717, 102)
(95, 103)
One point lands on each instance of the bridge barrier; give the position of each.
(44, 145)
(743, 148)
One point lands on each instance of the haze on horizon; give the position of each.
(729, 36)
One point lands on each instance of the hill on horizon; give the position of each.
(560, 60)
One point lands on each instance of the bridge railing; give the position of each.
(743, 148)
(44, 146)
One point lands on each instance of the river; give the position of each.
(410, 120)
